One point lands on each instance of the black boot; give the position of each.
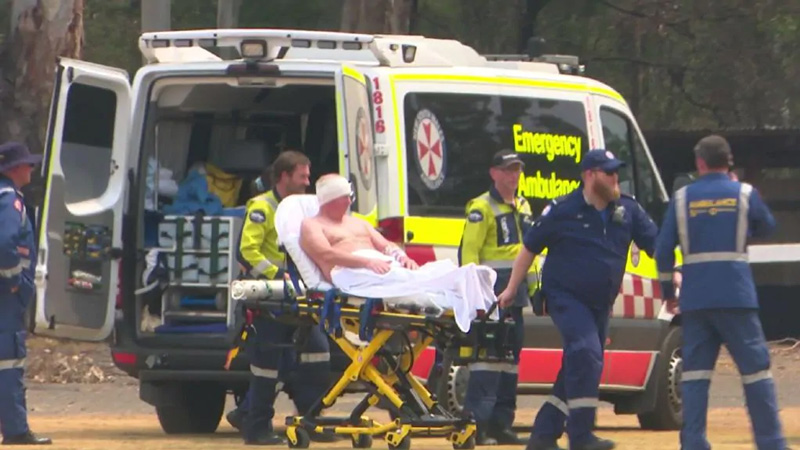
(596, 444)
(482, 437)
(236, 418)
(268, 438)
(26, 439)
(506, 436)
(536, 443)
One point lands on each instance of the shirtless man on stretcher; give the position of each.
(331, 238)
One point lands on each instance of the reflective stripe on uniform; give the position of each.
(492, 204)
(740, 255)
(309, 358)
(16, 270)
(6, 364)
(493, 367)
(741, 224)
(696, 375)
(680, 216)
(264, 373)
(715, 257)
(506, 264)
(558, 403)
(756, 377)
(585, 402)
(664, 276)
(261, 267)
(271, 202)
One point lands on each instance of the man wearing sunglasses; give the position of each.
(587, 234)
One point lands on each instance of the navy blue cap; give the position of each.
(506, 158)
(13, 154)
(600, 159)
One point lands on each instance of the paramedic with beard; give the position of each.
(270, 350)
(587, 234)
(496, 222)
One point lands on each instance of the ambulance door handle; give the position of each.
(409, 236)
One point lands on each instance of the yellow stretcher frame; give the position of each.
(393, 384)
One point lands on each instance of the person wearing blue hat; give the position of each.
(17, 253)
(587, 234)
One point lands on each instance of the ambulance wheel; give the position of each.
(667, 414)
(457, 380)
(196, 409)
(362, 441)
(303, 439)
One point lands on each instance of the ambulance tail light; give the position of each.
(118, 302)
(393, 229)
(123, 358)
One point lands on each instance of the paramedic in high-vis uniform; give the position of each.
(711, 219)
(587, 233)
(270, 349)
(17, 257)
(496, 222)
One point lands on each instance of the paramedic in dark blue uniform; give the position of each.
(587, 234)
(711, 220)
(270, 348)
(17, 256)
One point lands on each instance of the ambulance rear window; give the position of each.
(450, 140)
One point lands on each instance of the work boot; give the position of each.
(537, 443)
(26, 439)
(506, 436)
(236, 418)
(596, 444)
(482, 437)
(268, 438)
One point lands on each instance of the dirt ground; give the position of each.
(77, 397)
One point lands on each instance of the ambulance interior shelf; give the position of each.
(199, 257)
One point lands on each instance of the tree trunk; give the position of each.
(41, 31)
(377, 16)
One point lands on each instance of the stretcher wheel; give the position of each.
(469, 444)
(405, 444)
(362, 441)
(303, 439)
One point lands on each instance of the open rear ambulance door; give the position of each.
(80, 222)
(356, 152)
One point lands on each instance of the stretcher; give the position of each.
(382, 339)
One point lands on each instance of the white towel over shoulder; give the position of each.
(465, 289)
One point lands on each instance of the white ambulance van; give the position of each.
(133, 244)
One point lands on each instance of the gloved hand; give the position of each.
(539, 303)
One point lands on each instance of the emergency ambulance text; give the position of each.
(712, 207)
(548, 144)
(545, 188)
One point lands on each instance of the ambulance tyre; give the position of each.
(197, 410)
(667, 414)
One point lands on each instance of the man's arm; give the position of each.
(10, 261)
(258, 221)
(645, 230)
(665, 245)
(762, 223)
(475, 229)
(383, 245)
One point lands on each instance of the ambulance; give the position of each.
(146, 182)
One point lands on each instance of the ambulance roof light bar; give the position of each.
(250, 43)
(567, 64)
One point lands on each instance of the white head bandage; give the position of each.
(332, 187)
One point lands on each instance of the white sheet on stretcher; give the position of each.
(440, 284)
